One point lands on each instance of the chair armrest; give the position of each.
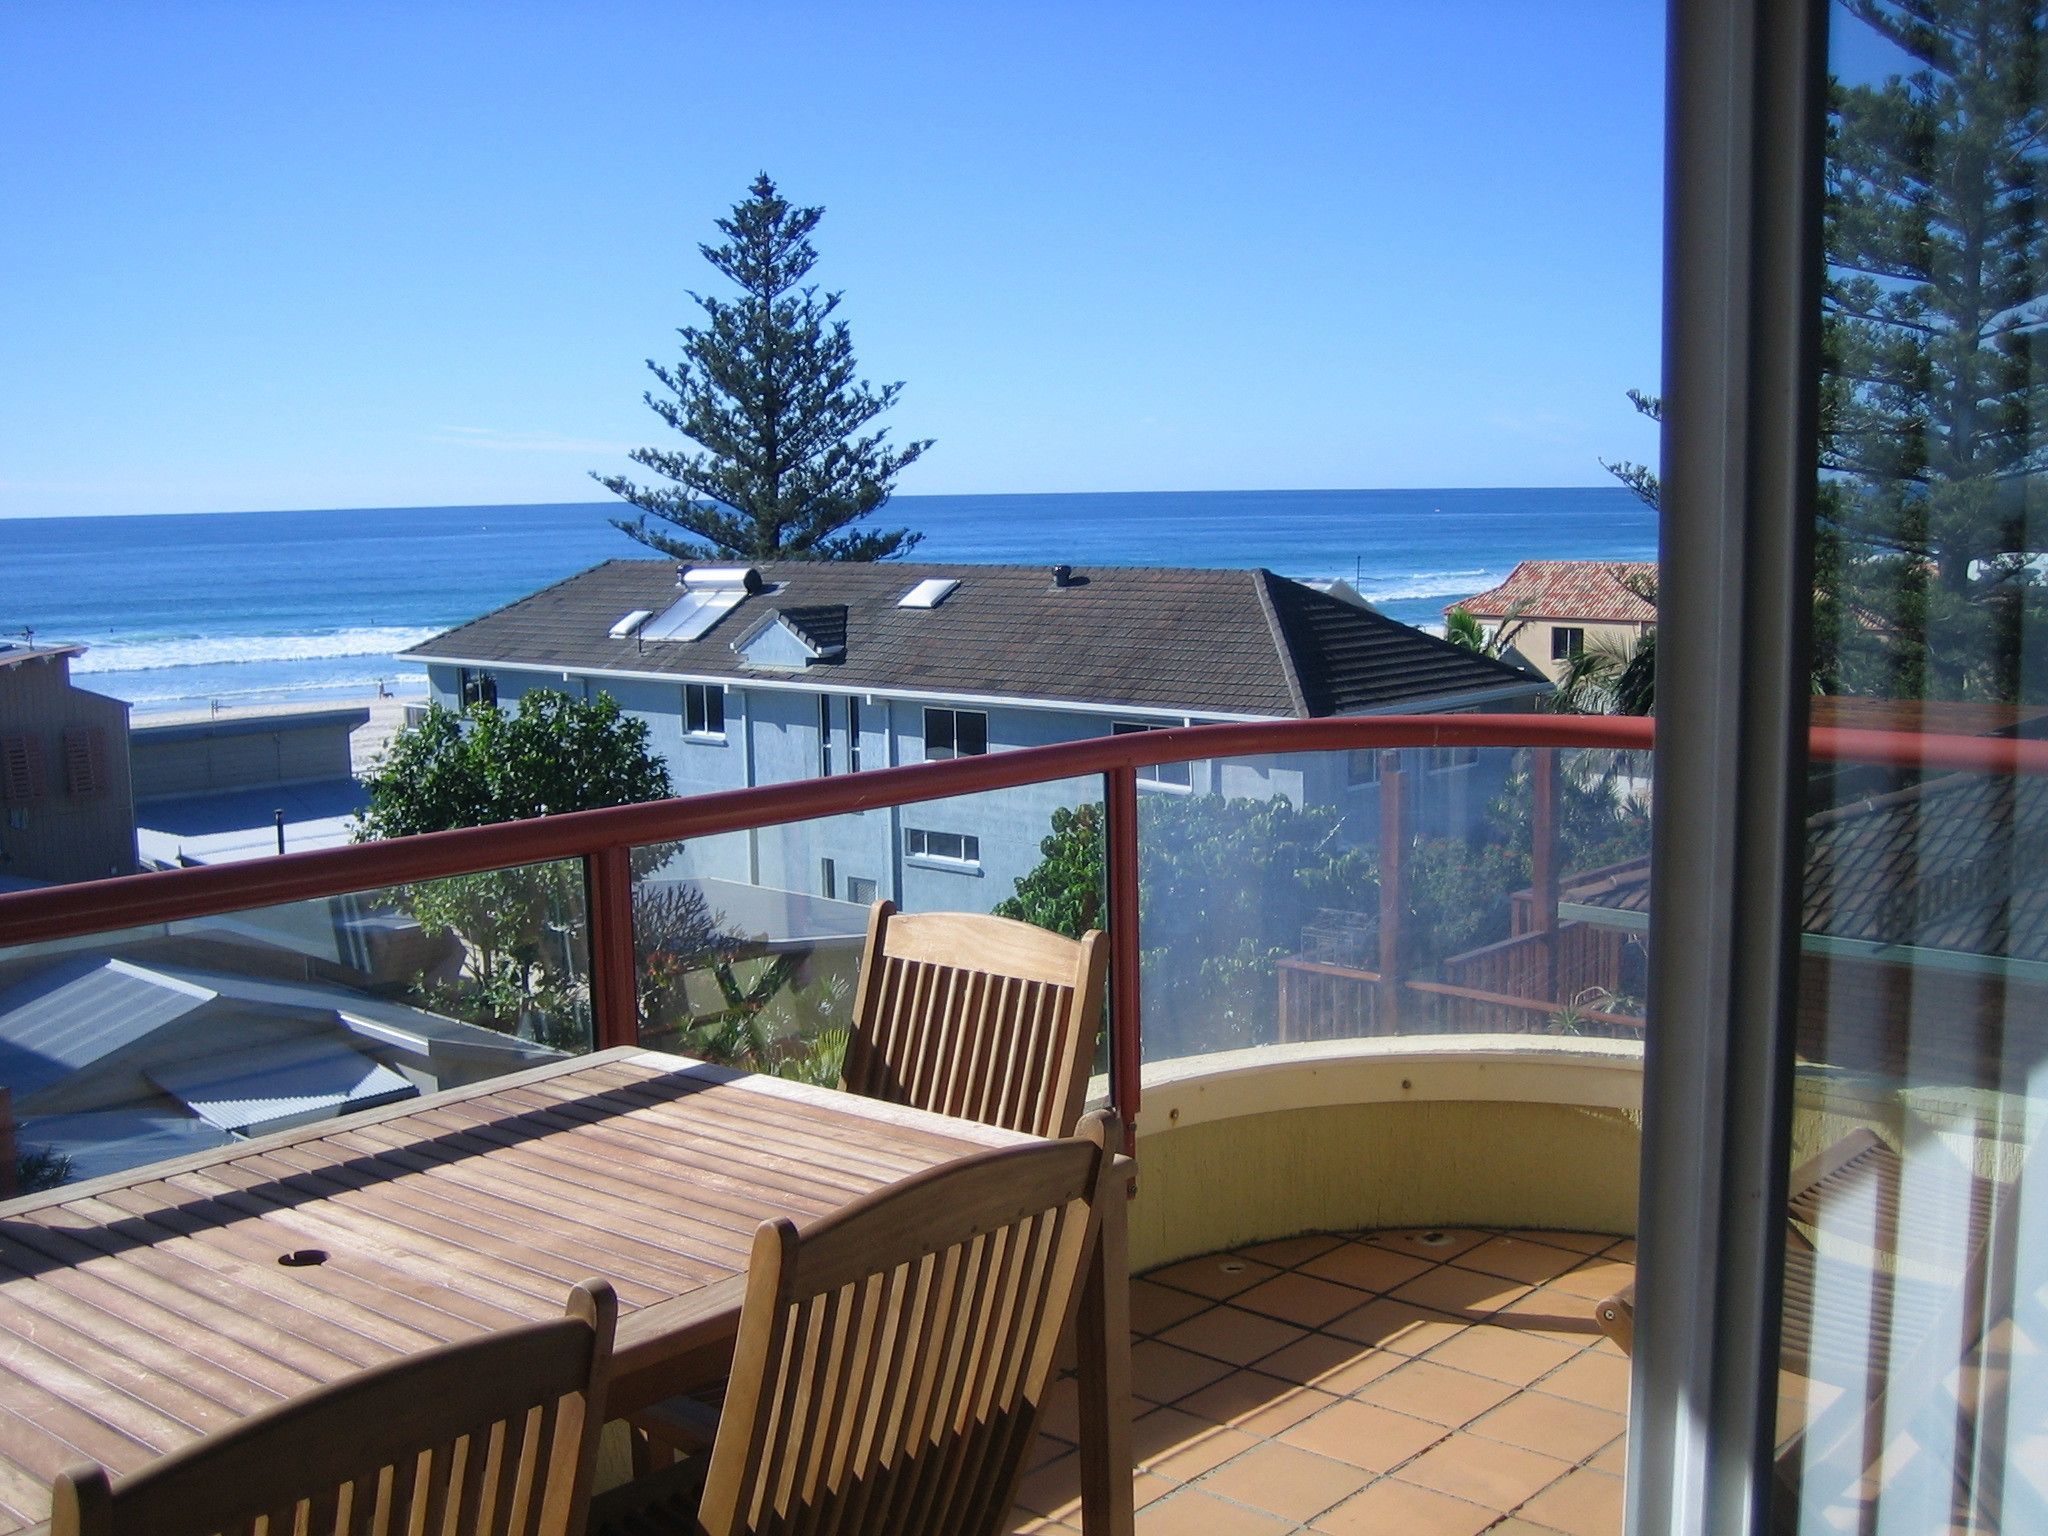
(1617, 1318)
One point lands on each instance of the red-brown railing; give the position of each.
(602, 839)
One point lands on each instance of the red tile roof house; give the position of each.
(1553, 609)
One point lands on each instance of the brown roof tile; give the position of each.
(1596, 590)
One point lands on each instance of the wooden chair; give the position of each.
(487, 1436)
(893, 1358)
(980, 1017)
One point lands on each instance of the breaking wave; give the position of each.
(1413, 586)
(152, 654)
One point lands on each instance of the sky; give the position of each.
(264, 256)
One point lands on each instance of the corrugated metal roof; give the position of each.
(275, 1086)
(105, 1141)
(81, 1010)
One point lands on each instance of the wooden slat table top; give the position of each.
(140, 1311)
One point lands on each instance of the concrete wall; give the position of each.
(1492, 1131)
(212, 756)
(61, 837)
(1531, 642)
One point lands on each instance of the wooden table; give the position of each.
(140, 1311)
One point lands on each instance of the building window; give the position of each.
(476, 687)
(704, 709)
(828, 878)
(1158, 775)
(1443, 758)
(1362, 767)
(824, 735)
(954, 733)
(1566, 641)
(853, 735)
(85, 761)
(860, 889)
(950, 847)
(21, 769)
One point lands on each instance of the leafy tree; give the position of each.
(1463, 629)
(554, 753)
(1225, 888)
(1933, 401)
(767, 391)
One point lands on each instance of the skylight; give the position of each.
(929, 593)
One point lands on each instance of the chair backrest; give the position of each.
(496, 1434)
(893, 1358)
(979, 1017)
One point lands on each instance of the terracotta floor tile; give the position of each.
(1557, 1314)
(1433, 1243)
(1498, 1476)
(1374, 1438)
(1217, 1276)
(1046, 1448)
(1025, 1523)
(1259, 1404)
(1517, 1258)
(1623, 1252)
(1552, 1425)
(1368, 1267)
(1436, 1393)
(1583, 1504)
(1596, 1279)
(1461, 1292)
(1150, 1487)
(1578, 1242)
(1290, 1251)
(1053, 1490)
(1391, 1507)
(1515, 1525)
(1505, 1354)
(1181, 1447)
(1286, 1482)
(1191, 1512)
(1600, 1381)
(1233, 1334)
(1062, 1415)
(1396, 1325)
(1612, 1460)
(1335, 1365)
(1162, 1374)
(1154, 1306)
(1301, 1298)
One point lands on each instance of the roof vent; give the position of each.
(928, 593)
(712, 577)
(1063, 575)
(631, 622)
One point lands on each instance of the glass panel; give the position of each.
(1916, 1259)
(1263, 919)
(746, 958)
(125, 1048)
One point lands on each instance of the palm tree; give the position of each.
(1463, 629)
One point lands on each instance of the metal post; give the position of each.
(1543, 866)
(1126, 1054)
(614, 964)
(1393, 891)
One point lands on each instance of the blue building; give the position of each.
(797, 670)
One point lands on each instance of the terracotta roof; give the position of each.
(1596, 590)
(1214, 642)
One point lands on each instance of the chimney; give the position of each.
(1062, 575)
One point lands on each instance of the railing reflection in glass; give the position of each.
(124, 1048)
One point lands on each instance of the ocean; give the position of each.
(258, 607)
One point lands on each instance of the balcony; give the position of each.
(1379, 1042)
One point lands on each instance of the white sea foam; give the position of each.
(1413, 586)
(154, 653)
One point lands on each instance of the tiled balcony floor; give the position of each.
(1431, 1384)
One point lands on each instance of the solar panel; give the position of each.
(691, 616)
(631, 622)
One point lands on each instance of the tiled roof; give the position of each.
(1230, 642)
(1957, 863)
(1596, 590)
